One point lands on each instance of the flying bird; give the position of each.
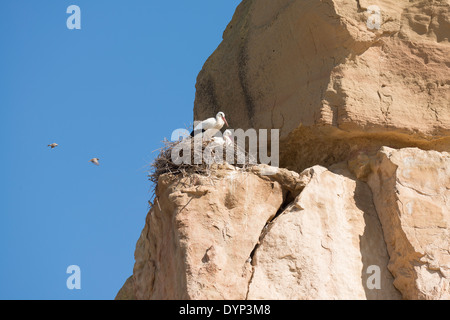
(95, 161)
(210, 123)
(53, 145)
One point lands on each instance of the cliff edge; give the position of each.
(360, 208)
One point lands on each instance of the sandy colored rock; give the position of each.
(241, 235)
(333, 86)
(411, 190)
(323, 244)
(200, 233)
(291, 181)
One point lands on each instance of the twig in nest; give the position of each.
(164, 162)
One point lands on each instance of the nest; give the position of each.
(189, 156)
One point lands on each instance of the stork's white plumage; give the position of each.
(223, 141)
(216, 149)
(210, 124)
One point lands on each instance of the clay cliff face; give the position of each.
(411, 192)
(320, 234)
(361, 206)
(331, 85)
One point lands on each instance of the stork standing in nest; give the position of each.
(212, 125)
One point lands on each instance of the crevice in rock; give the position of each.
(249, 103)
(288, 198)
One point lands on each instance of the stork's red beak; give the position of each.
(225, 121)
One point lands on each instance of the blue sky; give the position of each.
(112, 90)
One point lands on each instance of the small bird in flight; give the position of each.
(95, 161)
(53, 145)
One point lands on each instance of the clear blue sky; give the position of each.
(112, 90)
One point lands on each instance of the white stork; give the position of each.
(212, 123)
(223, 141)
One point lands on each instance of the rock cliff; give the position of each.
(331, 85)
(360, 208)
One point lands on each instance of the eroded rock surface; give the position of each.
(200, 233)
(333, 86)
(411, 189)
(324, 244)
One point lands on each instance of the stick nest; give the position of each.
(164, 163)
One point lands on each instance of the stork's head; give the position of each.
(227, 133)
(221, 115)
